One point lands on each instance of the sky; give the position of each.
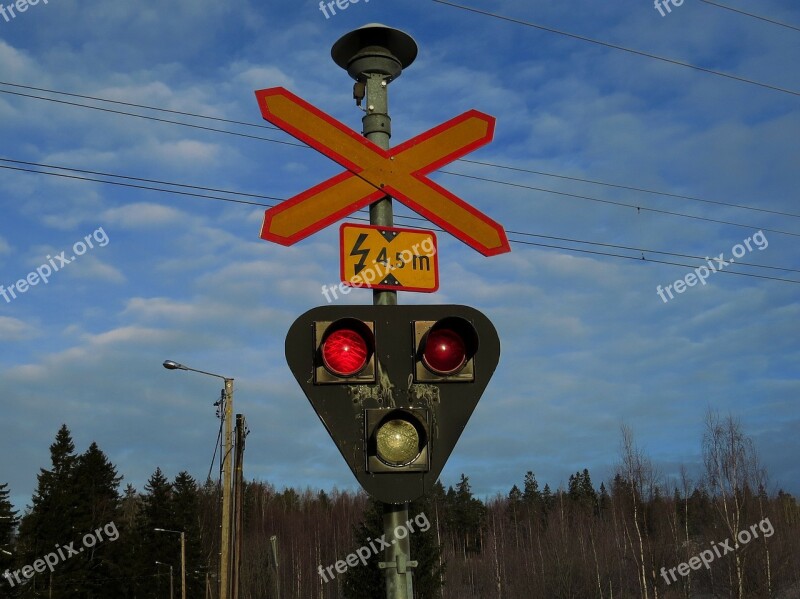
(585, 135)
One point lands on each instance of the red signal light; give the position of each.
(445, 351)
(347, 347)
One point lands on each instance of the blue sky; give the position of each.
(587, 343)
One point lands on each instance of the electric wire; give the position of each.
(584, 38)
(622, 204)
(160, 182)
(120, 184)
(749, 14)
(518, 241)
(216, 447)
(642, 258)
(153, 118)
(159, 109)
(302, 145)
(629, 188)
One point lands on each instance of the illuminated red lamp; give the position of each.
(445, 350)
(345, 351)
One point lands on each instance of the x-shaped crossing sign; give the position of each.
(373, 173)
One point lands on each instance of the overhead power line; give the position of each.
(630, 188)
(157, 108)
(153, 118)
(301, 145)
(622, 204)
(618, 47)
(749, 14)
(640, 258)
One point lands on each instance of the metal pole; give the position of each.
(374, 55)
(377, 128)
(171, 586)
(183, 567)
(274, 541)
(398, 564)
(225, 545)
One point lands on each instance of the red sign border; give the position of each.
(434, 258)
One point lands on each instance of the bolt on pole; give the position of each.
(374, 55)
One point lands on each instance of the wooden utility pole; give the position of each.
(238, 503)
(225, 545)
(274, 563)
(226, 412)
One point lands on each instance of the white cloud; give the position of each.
(13, 329)
(93, 269)
(142, 215)
(185, 152)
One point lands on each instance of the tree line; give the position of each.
(639, 534)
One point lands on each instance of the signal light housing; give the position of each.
(398, 440)
(394, 386)
(345, 350)
(445, 350)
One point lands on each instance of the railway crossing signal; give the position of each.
(394, 386)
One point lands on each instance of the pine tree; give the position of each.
(581, 491)
(97, 485)
(185, 509)
(8, 522)
(366, 581)
(603, 501)
(52, 518)
(131, 551)
(470, 517)
(531, 490)
(547, 502)
(425, 548)
(155, 546)
(369, 581)
(515, 505)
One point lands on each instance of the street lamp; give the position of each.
(171, 594)
(225, 545)
(183, 560)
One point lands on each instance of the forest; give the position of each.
(726, 533)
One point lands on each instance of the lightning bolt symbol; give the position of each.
(357, 251)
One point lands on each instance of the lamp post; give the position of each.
(225, 545)
(171, 593)
(183, 559)
(5, 545)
